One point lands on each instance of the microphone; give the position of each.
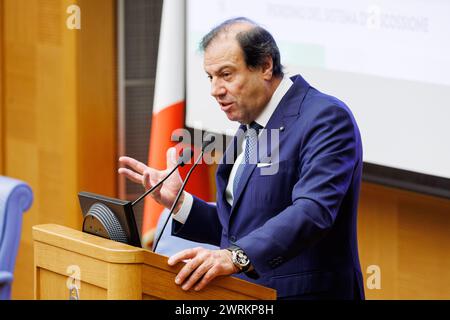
(208, 140)
(185, 157)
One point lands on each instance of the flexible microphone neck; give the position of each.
(209, 139)
(186, 156)
(155, 186)
(177, 198)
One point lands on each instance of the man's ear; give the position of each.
(267, 68)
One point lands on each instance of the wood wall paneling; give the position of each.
(59, 111)
(407, 235)
(96, 80)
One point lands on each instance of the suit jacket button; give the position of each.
(232, 239)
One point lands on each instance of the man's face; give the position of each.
(241, 92)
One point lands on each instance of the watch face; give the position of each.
(241, 258)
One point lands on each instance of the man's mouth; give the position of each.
(225, 106)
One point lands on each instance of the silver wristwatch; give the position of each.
(240, 259)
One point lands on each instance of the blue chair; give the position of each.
(16, 197)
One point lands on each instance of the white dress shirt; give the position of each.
(262, 120)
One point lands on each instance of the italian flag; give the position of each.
(168, 111)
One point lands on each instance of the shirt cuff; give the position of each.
(182, 214)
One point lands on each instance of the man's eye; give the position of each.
(226, 75)
(209, 78)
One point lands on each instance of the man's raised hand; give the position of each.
(138, 172)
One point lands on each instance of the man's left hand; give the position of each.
(202, 267)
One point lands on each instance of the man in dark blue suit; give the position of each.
(286, 220)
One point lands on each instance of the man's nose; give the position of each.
(217, 89)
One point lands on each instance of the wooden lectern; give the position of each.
(105, 269)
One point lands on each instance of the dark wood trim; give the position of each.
(407, 180)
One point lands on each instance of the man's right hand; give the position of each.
(148, 177)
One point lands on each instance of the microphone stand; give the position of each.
(155, 186)
(186, 156)
(178, 197)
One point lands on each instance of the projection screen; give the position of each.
(389, 61)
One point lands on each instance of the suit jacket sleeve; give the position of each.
(327, 160)
(202, 225)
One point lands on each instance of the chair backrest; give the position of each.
(16, 197)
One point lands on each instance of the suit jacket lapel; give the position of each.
(287, 111)
(226, 164)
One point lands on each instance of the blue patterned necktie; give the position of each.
(250, 152)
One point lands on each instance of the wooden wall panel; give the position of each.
(59, 111)
(408, 236)
(19, 114)
(377, 236)
(96, 81)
